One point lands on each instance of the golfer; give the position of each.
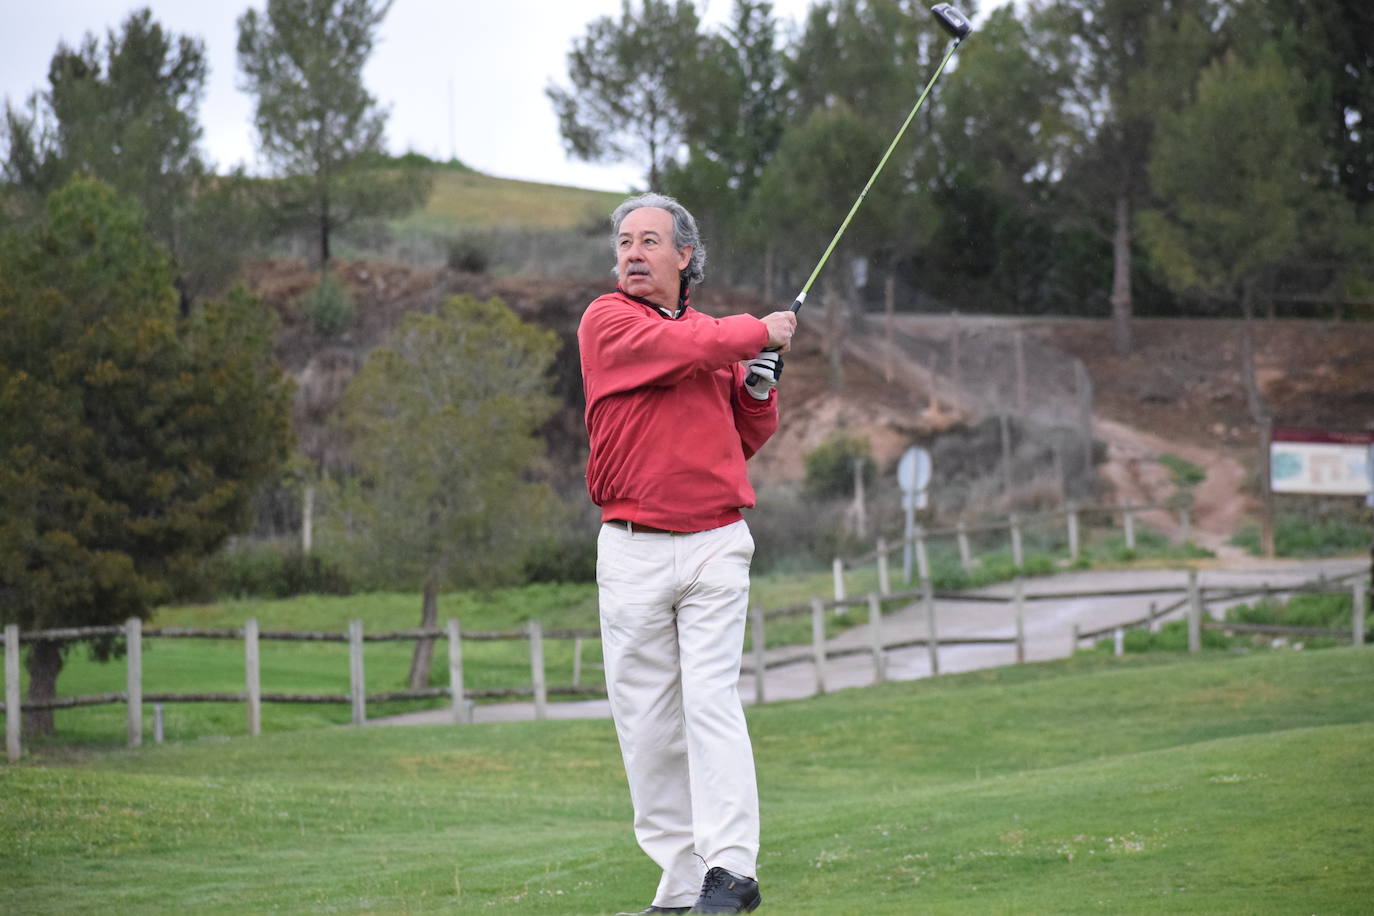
(671, 423)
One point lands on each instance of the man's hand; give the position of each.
(781, 326)
(764, 372)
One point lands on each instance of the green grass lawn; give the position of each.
(1233, 783)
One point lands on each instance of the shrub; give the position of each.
(263, 570)
(1299, 536)
(1148, 544)
(329, 306)
(569, 556)
(1186, 474)
(830, 466)
(1172, 637)
(468, 255)
(1319, 610)
(794, 532)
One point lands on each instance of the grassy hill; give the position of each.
(1147, 785)
(465, 199)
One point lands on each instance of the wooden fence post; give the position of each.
(577, 661)
(965, 554)
(922, 558)
(1018, 558)
(157, 723)
(818, 642)
(933, 644)
(14, 711)
(760, 648)
(1118, 642)
(884, 575)
(308, 519)
(541, 695)
(462, 712)
(1018, 597)
(1072, 517)
(357, 683)
(875, 637)
(1194, 613)
(252, 675)
(1154, 617)
(1128, 522)
(1358, 596)
(133, 635)
(838, 568)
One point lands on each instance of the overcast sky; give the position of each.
(462, 77)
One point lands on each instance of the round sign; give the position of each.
(913, 469)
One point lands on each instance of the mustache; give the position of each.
(637, 270)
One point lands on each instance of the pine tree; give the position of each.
(131, 437)
(318, 125)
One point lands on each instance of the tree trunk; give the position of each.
(424, 648)
(324, 237)
(1253, 400)
(889, 310)
(835, 334)
(44, 664)
(1121, 277)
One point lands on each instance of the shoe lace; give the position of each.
(714, 879)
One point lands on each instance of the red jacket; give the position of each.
(667, 414)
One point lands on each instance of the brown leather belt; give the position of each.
(632, 527)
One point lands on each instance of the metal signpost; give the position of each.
(913, 476)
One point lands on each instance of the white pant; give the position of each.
(673, 609)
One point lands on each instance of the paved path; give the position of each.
(1049, 632)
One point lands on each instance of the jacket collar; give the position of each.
(684, 300)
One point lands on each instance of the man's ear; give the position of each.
(684, 257)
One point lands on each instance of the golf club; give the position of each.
(957, 25)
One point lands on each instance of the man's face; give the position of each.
(647, 264)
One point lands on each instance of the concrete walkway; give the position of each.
(1049, 628)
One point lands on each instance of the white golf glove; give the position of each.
(764, 372)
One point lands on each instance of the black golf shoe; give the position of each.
(726, 892)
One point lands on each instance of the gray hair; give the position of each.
(685, 230)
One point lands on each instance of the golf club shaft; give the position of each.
(801, 297)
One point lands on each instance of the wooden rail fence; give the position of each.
(1015, 526)
(818, 653)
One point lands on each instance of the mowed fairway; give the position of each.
(1233, 784)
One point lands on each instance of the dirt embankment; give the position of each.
(1180, 392)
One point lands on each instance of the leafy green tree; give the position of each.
(634, 81)
(1003, 140)
(317, 124)
(733, 129)
(1128, 63)
(1329, 44)
(127, 113)
(853, 77)
(1237, 175)
(443, 420)
(131, 438)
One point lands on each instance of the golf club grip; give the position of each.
(753, 377)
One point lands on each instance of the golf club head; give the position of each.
(952, 21)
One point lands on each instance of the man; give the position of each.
(671, 422)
